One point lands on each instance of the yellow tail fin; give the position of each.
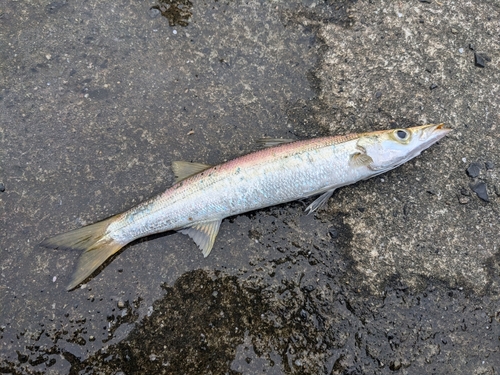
(96, 246)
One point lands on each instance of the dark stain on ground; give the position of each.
(215, 324)
(194, 328)
(198, 325)
(178, 12)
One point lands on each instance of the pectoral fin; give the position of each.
(360, 160)
(185, 169)
(319, 202)
(203, 234)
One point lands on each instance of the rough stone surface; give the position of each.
(399, 274)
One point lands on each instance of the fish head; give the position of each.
(391, 148)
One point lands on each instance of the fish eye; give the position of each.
(402, 135)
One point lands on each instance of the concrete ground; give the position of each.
(399, 274)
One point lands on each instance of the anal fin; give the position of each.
(319, 202)
(203, 234)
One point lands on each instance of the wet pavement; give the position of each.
(399, 274)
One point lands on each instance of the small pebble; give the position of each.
(471, 47)
(480, 190)
(461, 50)
(2, 187)
(463, 200)
(433, 86)
(425, 1)
(334, 233)
(120, 304)
(479, 60)
(454, 31)
(174, 31)
(489, 165)
(474, 169)
(378, 94)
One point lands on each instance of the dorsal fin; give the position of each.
(271, 142)
(203, 234)
(185, 169)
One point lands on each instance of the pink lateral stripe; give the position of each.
(286, 149)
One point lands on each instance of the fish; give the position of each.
(203, 195)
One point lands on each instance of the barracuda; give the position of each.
(204, 195)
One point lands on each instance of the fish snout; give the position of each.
(433, 132)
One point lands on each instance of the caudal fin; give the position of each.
(96, 246)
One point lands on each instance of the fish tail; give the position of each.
(93, 240)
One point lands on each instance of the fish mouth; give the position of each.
(432, 132)
(441, 129)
